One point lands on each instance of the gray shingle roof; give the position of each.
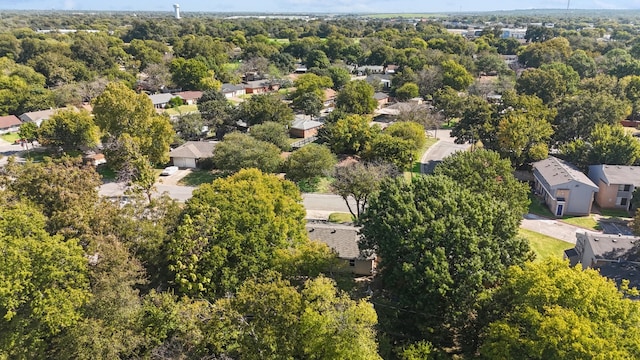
(341, 238)
(557, 171)
(619, 174)
(160, 98)
(380, 96)
(34, 116)
(194, 150)
(305, 124)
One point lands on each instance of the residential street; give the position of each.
(440, 150)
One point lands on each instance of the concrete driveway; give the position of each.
(444, 147)
(553, 228)
(174, 178)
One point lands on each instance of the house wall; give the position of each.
(184, 162)
(299, 133)
(10, 129)
(607, 197)
(578, 200)
(357, 267)
(588, 257)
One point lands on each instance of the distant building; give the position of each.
(9, 123)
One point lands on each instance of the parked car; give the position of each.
(169, 170)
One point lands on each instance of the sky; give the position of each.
(333, 6)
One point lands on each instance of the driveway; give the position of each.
(444, 147)
(553, 228)
(174, 178)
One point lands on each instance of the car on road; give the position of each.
(169, 170)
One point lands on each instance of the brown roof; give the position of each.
(329, 94)
(9, 121)
(189, 95)
(194, 150)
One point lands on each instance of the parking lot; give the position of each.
(610, 227)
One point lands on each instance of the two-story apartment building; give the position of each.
(616, 184)
(564, 188)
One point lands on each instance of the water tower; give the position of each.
(176, 9)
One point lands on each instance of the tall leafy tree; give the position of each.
(552, 311)
(43, 283)
(524, 138)
(455, 75)
(69, 129)
(231, 230)
(356, 97)
(272, 132)
(607, 144)
(484, 171)
(351, 134)
(241, 151)
(391, 149)
(119, 110)
(439, 249)
(310, 161)
(264, 107)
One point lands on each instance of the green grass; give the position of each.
(106, 173)
(198, 177)
(10, 137)
(340, 217)
(449, 124)
(538, 207)
(545, 246)
(613, 213)
(417, 167)
(184, 109)
(587, 222)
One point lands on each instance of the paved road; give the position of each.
(443, 148)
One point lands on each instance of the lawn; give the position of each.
(538, 207)
(10, 137)
(340, 217)
(184, 109)
(199, 177)
(613, 213)
(106, 173)
(545, 246)
(587, 222)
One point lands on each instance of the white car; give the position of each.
(169, 170)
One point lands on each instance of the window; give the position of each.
(352, 262)
(624, 187)
(623, 201)
(619, 201)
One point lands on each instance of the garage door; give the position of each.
(184, 162)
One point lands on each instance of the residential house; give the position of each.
(261, 87)
(231, 90)
(391, 69)
(37, 117)
(564, 188)
(381, 98)
(369, 69)
(615, 256)
(9, 123)
(616, 184)
(160, 101)
(94, 159)
(189, 97)
(300, 69)
(304, 127)
(189, 154)
(329, 97)
(343, 239)
(380, 81)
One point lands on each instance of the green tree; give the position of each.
(309, 161)
(193, 74)
(272, 132)
(265, 107)
(119, 110)
(439, 249)
(391, 149)
(350, 135)
(407, 91)
(28, 132)
(534, 55)
(455, 75)
(581, 62)
(231, 230)
(240, 151)
(356, 97)
(408, 130)
(552, 311)
(309, 103)
(216, 110)
(578, 115)
(524, 138)
(64, 191)
(44, 283)
(483, 171)
(360, 181)
(339, 76)
(317, 59)
(189, 126)
(548, 85)
(69, 129)
(607, 144)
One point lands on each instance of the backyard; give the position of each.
(545, 246)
